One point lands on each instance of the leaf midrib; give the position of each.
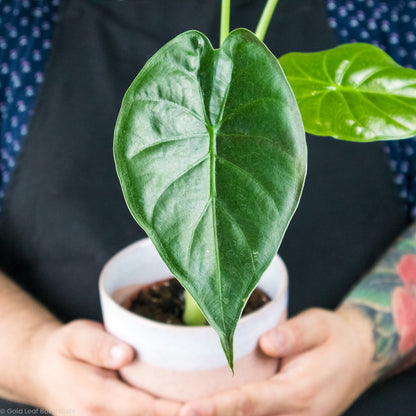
(213, 196)
(213, 186)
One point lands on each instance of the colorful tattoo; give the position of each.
(387, 296)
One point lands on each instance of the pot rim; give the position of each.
(279, 296)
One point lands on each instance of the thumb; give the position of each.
(296, 335)
(88, 341)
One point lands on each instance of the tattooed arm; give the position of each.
(330, 358)
(387, 297)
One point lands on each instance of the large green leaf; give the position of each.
(353, 92)
(211, 156)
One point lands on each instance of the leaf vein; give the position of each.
(170, 139)
(194, 228)
(249, 136)
(325, 66)
(185, 109)
(187, 170)
(397, 99)
(275, 143)
(302, 71)
(250, 176)
(369, 77)
(234, 221)
(350, 64)
(387, 115)
(240, 107)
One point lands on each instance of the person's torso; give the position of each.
(64, 214)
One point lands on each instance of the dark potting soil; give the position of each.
(163, 301)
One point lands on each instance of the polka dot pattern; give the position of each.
(26, 31)
(390, 25)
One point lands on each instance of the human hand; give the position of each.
(326, 364)
(75, 367)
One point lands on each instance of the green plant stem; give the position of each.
(265, 18)
(225, 20)
(192, 315)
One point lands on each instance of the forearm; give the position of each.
(386, 297)
(23, 323)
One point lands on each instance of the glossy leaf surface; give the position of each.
(211, 156)
(353, 92)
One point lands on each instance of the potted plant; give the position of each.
(211, 154)
(185, 362)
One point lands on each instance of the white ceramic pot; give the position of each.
(179, 362)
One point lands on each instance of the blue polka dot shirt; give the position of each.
(391, 25)
(26, 32)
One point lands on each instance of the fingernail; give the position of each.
(117, 354)
(277, 340)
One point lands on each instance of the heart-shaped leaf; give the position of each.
(211, 155)
(353, 92)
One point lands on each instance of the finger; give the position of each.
(296, 335)
(99, 391)
(257, 399)
(88, 341)
(125, 400)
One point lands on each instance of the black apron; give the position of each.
(64, 214)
